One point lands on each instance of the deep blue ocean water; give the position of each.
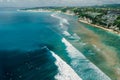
(26, 42)
(22, 37)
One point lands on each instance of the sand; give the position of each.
(101, 27)
(107, 53)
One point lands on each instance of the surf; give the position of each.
(63, 24)
(83, 67)
(65, 72)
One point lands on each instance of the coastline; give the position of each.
(100, 46)
(71, 14)
(109, 64)
(94, 25)
(111, 60)
(43, 10)
(100, 27)
(35, 10)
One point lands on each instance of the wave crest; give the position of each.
(65, 71)
(86, 69)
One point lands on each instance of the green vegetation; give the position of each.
(107, 16)
(117, 22)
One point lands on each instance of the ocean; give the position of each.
(40, 46)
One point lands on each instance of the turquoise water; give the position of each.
(26, 42)
(107, 38)
(88, 34)
(22, 36)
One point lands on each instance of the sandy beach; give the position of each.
(109, 61)
(109, 30)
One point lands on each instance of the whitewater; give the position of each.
(65, 71)
(82, 66)
(86, 69)
(27, 33)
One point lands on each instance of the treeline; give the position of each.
(108, 17)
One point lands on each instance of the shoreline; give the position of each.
(100, 27)
(93, 25)
(111, 60)
(43, 10)
(79, 20)
(101, 52)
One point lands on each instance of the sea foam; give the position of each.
(84, 68)
(63, 24)
(65, 71)
(63, 20)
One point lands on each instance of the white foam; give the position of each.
(63, 24)
(82, 65)
(63, 20)
(66, 33)
(64, 28)
(96, 47)
(39, 10)
(65, 71)
(71, 50)
(82, 43)
(74, 37)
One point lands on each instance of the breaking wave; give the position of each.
(86, 69)
(83, 67)
(63, 24)
(62, 20)
(65, 71)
